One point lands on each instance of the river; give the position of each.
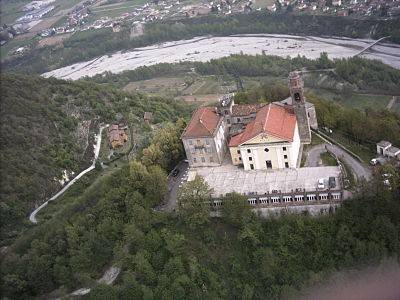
(207, 48)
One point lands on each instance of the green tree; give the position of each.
(103, 292)
(234, 207)
(194, 202)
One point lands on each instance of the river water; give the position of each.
(207, 48)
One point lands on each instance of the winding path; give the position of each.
(358, 168)
(108, 278)
(32, 216)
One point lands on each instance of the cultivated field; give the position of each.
(53, 40)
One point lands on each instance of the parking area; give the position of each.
(228, 178)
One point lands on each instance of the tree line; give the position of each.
(364, 74)
(190, 254)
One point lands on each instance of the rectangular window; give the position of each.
(238, 151)
(284, 148)
(198, 142)
(194, 159)
(228, 121)
(211, 159)
(286, 165)
(248, 151)
(240, 158)
(252, 166)
(190, 142)
(269, 164)
(238, 119)
(285, 156)
(203, 159)
(250, 158)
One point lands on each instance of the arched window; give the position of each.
(266, 150)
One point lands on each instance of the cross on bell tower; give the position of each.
(296, 87)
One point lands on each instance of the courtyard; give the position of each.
(228, 178)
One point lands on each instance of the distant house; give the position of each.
(116, 27)
(343, 13)
(385, 148)
(117, 136)
(148, 117)
(271, 7)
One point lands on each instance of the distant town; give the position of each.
(97, 14)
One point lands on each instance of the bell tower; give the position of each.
(296, 87)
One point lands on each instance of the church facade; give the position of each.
(258, 136)
(270, 141)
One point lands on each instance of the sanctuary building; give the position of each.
(258, 136)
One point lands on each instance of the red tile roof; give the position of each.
(271, 119)
(246, 109)
(204, 122)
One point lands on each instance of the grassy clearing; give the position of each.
(263, 3)
(328, 159)
(364, 152)
(12, 10)
(358, 101)
(367, 101)
(211, 85)
(13, 44)
(115, 10)
(187, 86)
(159, 85)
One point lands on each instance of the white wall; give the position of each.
(295, 148)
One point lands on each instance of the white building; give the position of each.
(385, 148)
(270, 141)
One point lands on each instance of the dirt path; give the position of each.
(108, 278)
(32, 216)
(391, 103)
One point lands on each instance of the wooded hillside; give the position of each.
(48, 126)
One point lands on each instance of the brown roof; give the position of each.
(246, 109)
(204, 122)
(148, 115)
(115, 133)
(272, 119)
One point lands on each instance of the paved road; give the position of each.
(314, 156)
(32, 216)
(358, 168)
(173, 186)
